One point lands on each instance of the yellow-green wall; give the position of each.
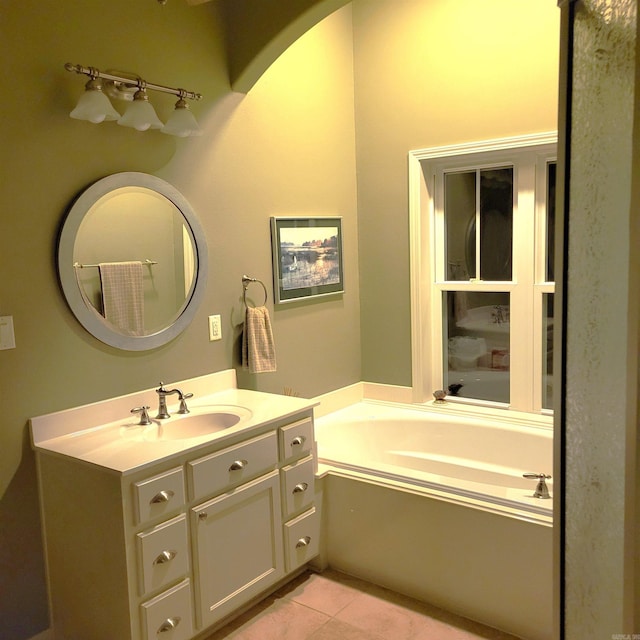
(425, 74)
(287, 148)
(429, 74)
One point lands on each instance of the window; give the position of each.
(483, 273)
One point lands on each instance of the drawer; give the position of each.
(297, 487)
(169, 614)
(296, 440)
(301, 539)
(163, 554)
(230, 467)
(159, 495)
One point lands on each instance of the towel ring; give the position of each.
(246, 281)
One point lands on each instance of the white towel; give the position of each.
(258, 349)
(123, 296)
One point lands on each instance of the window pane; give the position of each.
(496, 223)
(476, 345)
(459, 216)
(547, 351)
(551, 219)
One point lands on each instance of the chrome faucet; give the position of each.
(542, 491)
(144, 414)
(162, 398)
(498, 314)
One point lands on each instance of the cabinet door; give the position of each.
(238, 546)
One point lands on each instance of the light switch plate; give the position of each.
(215, 328)
(7, 337)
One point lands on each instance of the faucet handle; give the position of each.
(144, 414)
(542, 491)
(183, 402)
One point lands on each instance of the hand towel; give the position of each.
(258, 349)
(123, 296)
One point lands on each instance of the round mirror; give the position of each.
(132, 261)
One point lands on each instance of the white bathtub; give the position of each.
(431, 503)
(474, 458)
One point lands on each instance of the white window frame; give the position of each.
(529, 156)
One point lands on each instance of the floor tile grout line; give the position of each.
(327, 585)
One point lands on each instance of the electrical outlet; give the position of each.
(215, 328)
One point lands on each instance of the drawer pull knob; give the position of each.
(165, 556)
(169, 624)
(303, 542)
(300, 488)
(203, 516)
(162, 496)
(297, 441)
(237, 465)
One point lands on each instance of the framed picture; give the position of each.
(307, 257)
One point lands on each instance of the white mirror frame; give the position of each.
(88, 317)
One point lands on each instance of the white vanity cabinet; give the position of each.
(173, 548)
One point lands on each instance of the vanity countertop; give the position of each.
(107, 435)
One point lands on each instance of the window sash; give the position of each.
(529, 268)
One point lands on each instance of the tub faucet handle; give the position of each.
(542, 491)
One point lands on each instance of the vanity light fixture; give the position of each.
(140, 114)
(94, 106)
(182, 122)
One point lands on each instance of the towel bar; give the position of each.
(79, 265)
(246, 281)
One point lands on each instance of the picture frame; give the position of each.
(307, 257)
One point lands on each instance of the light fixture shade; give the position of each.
(182, 122)
(140, 114)
(93, 105)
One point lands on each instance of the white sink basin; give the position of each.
(193, 426)
(202, 421)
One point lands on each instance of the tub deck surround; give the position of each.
(447, 454)
(106, 434)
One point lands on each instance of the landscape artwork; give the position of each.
(307, 257)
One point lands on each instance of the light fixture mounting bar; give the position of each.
(92, 72)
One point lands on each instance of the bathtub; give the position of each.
(431, 502)
(471, 459)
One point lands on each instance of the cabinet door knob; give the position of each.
(165, 556)
(203, 516)
(297, 441)
(162, 496)
(237, 465)
(169, 624)
(300, 487)
(303, 542)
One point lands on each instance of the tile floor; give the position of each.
(334, 606)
